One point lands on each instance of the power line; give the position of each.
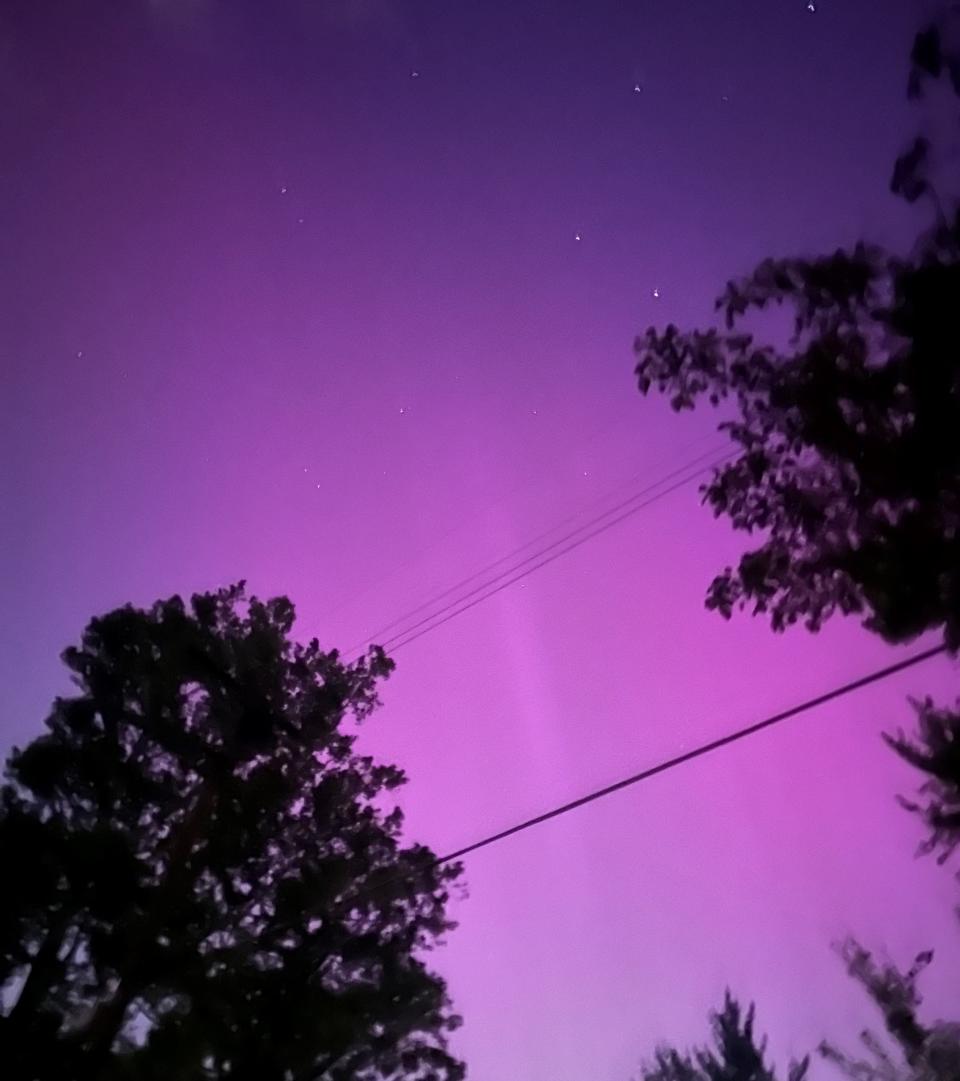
(666, 765)
(431, 621)
(699, 752)
(405, 641)
(521, 485)
(527, 544)
(560, 540)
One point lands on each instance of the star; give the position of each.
(403, 410)
(577, 236)
(811, 5)
(637, 88)
(656, 294)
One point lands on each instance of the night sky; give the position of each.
(338, 296)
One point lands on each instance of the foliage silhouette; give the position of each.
(924, 1053)
(848, 468)
(737, 1055)
(847, 439)
(208, 885)
(912, 1052)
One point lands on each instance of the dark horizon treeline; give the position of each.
(210, 882)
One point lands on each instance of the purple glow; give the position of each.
(339, 298)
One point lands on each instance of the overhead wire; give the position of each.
(520, 548)
(521, 485)
(502, 581)
(674, 762)
(703, 749)
(624, 509)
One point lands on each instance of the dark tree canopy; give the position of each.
(846, 440)
(737, 1055)
(202, 879)
(919, 1052)
(935, 751)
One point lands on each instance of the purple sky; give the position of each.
(273, 307)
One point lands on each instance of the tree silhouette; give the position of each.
(923, 1053)
(847, 467)
(913, 1051)
(847, 438)
(737, 1055)
(203, 878)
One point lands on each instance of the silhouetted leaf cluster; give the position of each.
(737, 1055)
(913, 1051)
(201, 880)
(920, 1052)
(935, 751)
(935, 55)
(849, 463)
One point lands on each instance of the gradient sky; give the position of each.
(293, 291)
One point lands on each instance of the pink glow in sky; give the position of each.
(339, 298)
